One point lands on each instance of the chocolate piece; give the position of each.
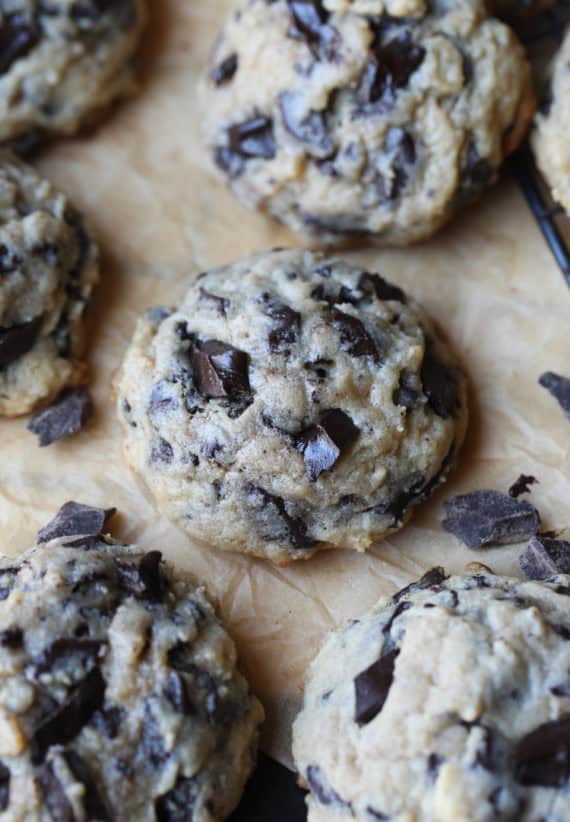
(544, 558)
(178, 804)
(440, 383)
(9, 260)
(559, 387)
(311, 130)
(224, 71)
(522, 485)
(74, 518)
(406, 395)
(376, 814)
(309, 23)
(92, 802)
(282, 525)
(163, 397)
(336, 224)
(389, 69)
(175, 692)
(542, 757)
(12, 638)
(254, 138)
(18, 340)
(4, 787)
(68, 718)
(354, 337)
(220, 370)
(108, 721)
(322, 445)
(221, 304)
(321, 790)
(54, 794)
(142, 579)
(67, 416)
(371, 687)
(87, 649)
(476, 174)
(162, 451)
(432, 578)
(18, 36)
(490, 518)
(400, 144)
(288, 324)
(375, 284)
(434, 763)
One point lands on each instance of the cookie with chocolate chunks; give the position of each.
(336, 118)
(449, 700)
(120, 698)
(311, 408)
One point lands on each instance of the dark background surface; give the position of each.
(272, 795)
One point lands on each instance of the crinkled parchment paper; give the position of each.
(489, 279)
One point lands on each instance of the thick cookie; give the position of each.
(550, 139)
(290, 403)
(63, 61)
(378, 118)
(49, 265)
(450, 702)
(119, 693)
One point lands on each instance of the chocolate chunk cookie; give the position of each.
(550, 137)
(119, 693)
(449, 702)
(344, 118)
(63, 61)
(290, 403)
(48, 267)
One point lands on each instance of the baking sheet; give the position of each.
(144, 183)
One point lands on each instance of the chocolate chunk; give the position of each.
(490, 518)
(311, 129)
(175, 692)
(18, 36)
(559, 387)
(522, 485)
(440, 383)
(476, 174)
(67, 416)
(221, 304)
(142, 579)
(276, 521)
(74, 518)
(12, 638)
(18, 340)
(544, 558)
(224, 71)
(54, 794)
(88, 650)
(375, 284)
(376, 814)
(336, 224)
(108, 721)
(93, 804)
(434, 763)
(542, 757)
(254, 138)
(323, 445)
(9, 260)
(68, 718)
(309, 23)
(162, 451)
(371, 687)
(152, 741)
(431, 579)
(321, 789)
(288, 324)
(406, 394)
(402, 148)
(354, 337)
(220, 370)
(562, 689)
(4, 787)
(7, 578)
(163, 397)
(178, 805)
(389, 69)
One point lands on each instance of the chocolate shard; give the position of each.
(406, 394)
(287, 324)
(323, 445)
(12, 638)
(440, 383)
(224, 71)
(276, 521)
(321, 789)
(476, 174)
(220, 370)
(354, 337)
(68, 719)
(389, 69)
(178, 804)
(542, 757)
(309, 23)
(310, 129)
(4, 787)
(253, 138)
(73, 519)
(109, 721)
(522, 485)
(371, 687)
(490, 518)
(559, 387)
(54, 795)
(176, 694)
(431, 579)
(67, 416)
(375, 284)
(544, 558)
(88, 650)
(401, 147)
(221, 304)
(142, 579)
(93, 804)
(18, 340)
(18, 36)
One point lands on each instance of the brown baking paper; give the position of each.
(144, 183)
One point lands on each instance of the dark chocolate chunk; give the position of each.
(389, 69)
(74, 518)
(287, 324)
(476, 174)
(18, 36)
(371, 687)
(559, 387)
(254, 138)
(142, 579)
(18, 340)
(322, 445)
(542, 757)
(163, 397)
(152, 741)
(178, 805)
(321, 789)
(544, 558)
(224, 71)
(175, 692)
(68, 415)
(88, 650)
(562, 689)
(490, 518)
(522, 485)
(440, 383)
(221, 304)
(434, 763)
(402, 148)
(9, 260)
(68, 718)
(375, 284)
(311, 129)
(109, 721)
(277, 522)
(309, 23)
(162, 451)
(376, 814)
(406, 394)
(54, 795)
(220, 370)
(7, 578)
(4, 787)
(12, 638)
(93, 804)
(354, 337)
(432, 578)
(336, 224)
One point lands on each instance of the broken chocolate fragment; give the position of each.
(323, 444)
(402, 148)
(175, 692)
(163, 397)
(18, 340)
(276, 521)
(544, 558)
(4, 787)
(288, 324)
(67, 416)
(321, 790)
(476, 174)
(309, 23)
(221, 304)
(406, 394)
(161, 451)
(178, 804)
(88, 650)
(542, 757)
(559, 387)
(254, 138)
(375, 284)
(389, 69)
(108, 721)
(18, 36)
(354, 337)
(432, 578)
(224, 71)
(12, 638)
(371, 687)
(522, 485)
(310, 129)
(220, 370)
(73, 519)
(490, 518)
(440, 383)
(142, 579)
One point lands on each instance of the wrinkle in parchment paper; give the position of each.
(144, 183)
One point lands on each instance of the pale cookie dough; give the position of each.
(62, 61)
(448, 703)
(343, 118)
(119, 693)
(48, 267)
(290, 403)
(551, 137)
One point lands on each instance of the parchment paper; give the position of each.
(489, 279)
